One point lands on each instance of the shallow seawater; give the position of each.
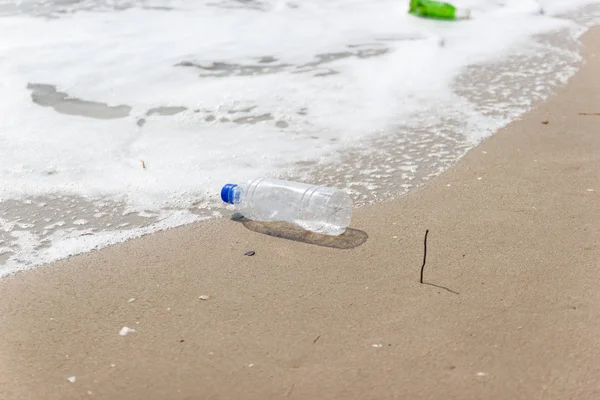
(124, 118)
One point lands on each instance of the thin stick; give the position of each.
(589, 113)
(424, 254)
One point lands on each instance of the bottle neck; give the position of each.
(462, 13)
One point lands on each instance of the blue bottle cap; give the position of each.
(227, 193)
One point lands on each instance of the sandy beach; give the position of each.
(511, 308)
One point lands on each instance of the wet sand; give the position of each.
(511, 308)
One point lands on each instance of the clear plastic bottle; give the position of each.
(315, 208)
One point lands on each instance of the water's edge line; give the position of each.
(163, 225)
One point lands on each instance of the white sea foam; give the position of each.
(124, 118)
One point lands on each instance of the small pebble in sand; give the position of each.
(249, 253)
(378, 345)
(131, 300)
(72, 379)
(479, 178)
(482, 374)
(590, 190)
(484, 152)
(113, 365)
(90, 392)
(125, 331)
(250, 365)
(204, 297)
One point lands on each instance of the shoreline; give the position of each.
(40, 230)
(510, 309)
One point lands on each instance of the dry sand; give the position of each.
(514, 231)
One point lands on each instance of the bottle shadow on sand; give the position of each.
(348, 240)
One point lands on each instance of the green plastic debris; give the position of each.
(437, 10)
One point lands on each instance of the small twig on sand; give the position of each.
(589, 113)
(290, 390)
(424, 254)
(143, 164)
